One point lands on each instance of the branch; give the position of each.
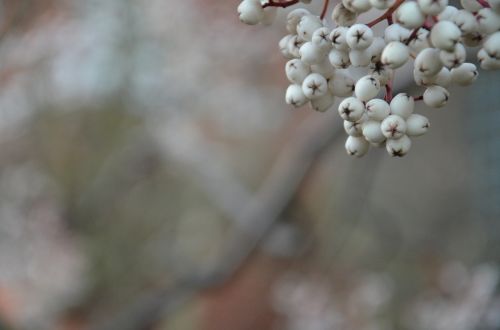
(285, 4)
(251, 225)
(325, 8)
(387, 15)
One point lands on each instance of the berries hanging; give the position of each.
(431, 32)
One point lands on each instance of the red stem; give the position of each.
(484, 3)
(412, 36)
(387, 15)
(325, 8)
(273, 3)
(388, 91)
(418, 98)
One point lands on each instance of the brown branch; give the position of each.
(250, 226)
(412, 36)
(387, 15)
(325, 8)
(285, 4)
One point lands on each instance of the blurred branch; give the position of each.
(251, 224)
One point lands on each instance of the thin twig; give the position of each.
(285, 4)
(387, 15)
(325, 8)
(484, 3)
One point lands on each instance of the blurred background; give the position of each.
(152, 177)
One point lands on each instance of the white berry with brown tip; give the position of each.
(445, 35)
(402, 105)
(250, 12)
(295, 96)
(395, 54)
(356, 146)
(398, 147)
(359, 36)
(393, 127)
(417, 125)
(314, 86)
(351, 109)
(366, 88)
(377, 109)
(436, 96)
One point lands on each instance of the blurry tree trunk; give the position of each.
(244, 302)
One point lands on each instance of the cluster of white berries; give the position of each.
(431, 32)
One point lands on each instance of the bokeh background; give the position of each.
(152, 177)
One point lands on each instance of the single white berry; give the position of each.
(428, 62)
(393, 127)
(487, 62)
(342, 16)
(283, 45)
(356, 146)
(359, 36)
(360, 57)
(314, 86)
(492, 45)
(307, 25)
(454, 58)
(432, 7)
(377, 109)
(372, 131)
(409, 15)
(488, 20)
(337, 37)
(341, 85)
(323, 103)
(296, 71)
(402, 105)
(395, 54)
(295, 96)
(353, 128)
(294, 45)
(395, 32)
(339, 59)
(448, 13)
(436, 96)
(445, 35)
(293, 18)
(417, 125)
(351, 109)
(398, 147)
(464, 75)
(366, 88)
(320, 39)
(250, 12)
(465, 21)
(310, 53)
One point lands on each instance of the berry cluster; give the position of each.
(429, 32)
